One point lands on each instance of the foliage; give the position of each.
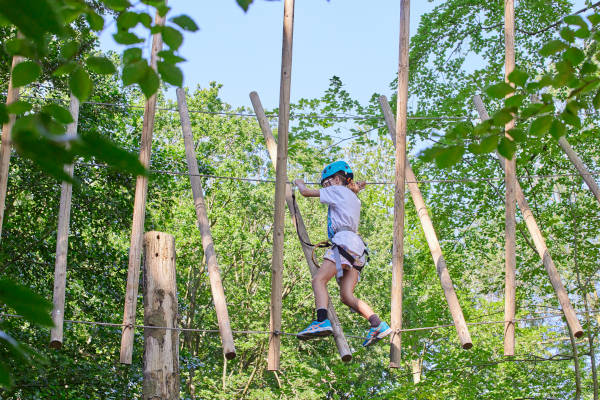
(544, 104)
(465, 203)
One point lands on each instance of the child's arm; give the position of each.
(304, 191)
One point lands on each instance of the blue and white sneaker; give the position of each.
(377, 333)
(316, 329)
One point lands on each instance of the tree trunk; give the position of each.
(161, 345)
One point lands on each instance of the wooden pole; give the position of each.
(338, 333)
(210, 255)
(161, 346)
(581, 168)
(399, 185)
(139, 213)
(62, 241)
(280, 183)
(11, 96)
(539, 242)
(431, 237)
(510, 258)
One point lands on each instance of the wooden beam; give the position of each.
(139, 213)
(510, 225)
(338, 333)
(539, 242)
(11, 96)
(62, 241)
(280, 183)
(431, 237)
(581, 168)
(210, 254)
(399, 187)
(161, 346)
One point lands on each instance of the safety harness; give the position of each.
(337, 249)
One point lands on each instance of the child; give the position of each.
(347, 256)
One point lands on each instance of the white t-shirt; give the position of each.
(344, 212)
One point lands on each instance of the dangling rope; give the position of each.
(322, 244)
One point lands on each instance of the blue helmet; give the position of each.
(334, 167)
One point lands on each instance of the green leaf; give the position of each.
(557, 129)
(134, 72)
(61, 114)
(517, 134)
(570, 118)
(185, 23)
(169, 57)
(162, 10)
(25, 72)
(502, 117)
(594, 18)
(100, 65)
(25, 302)
(65, 68)
(531, 110)
(518, 77)
(149, 83)
(5, 378)
(449, 156)
(34, 20)
(540, 125)
(596, 100)
(126, 20)
(131, 55)
(145, 19)
(22, 47)
(244, 4)
(80, 84)
(583, 33)
(69, 49)
(170, 73)
(489, 143)
(18, 107)
(552, 47)
(95, 20)
(575, 20)
(507, 148)
(567, 34)
(156, 29)
(499, 90)
(514, 101)
(97, 147)
(3, 114)
(573, 55)
(32, 141)
(117, 5)
(588, 68)
(172, 37)
(483, 127)
(122, 37)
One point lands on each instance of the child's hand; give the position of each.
(299, 182)
(357, 186)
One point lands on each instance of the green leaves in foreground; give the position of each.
(33, 308)
(572, 77)
(41, 138)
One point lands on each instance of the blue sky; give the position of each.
(353, 39)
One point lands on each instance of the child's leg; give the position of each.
(319, 283)
(347, 285)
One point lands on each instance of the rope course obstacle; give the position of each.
(404, 175)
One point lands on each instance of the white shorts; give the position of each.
(331, 257)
